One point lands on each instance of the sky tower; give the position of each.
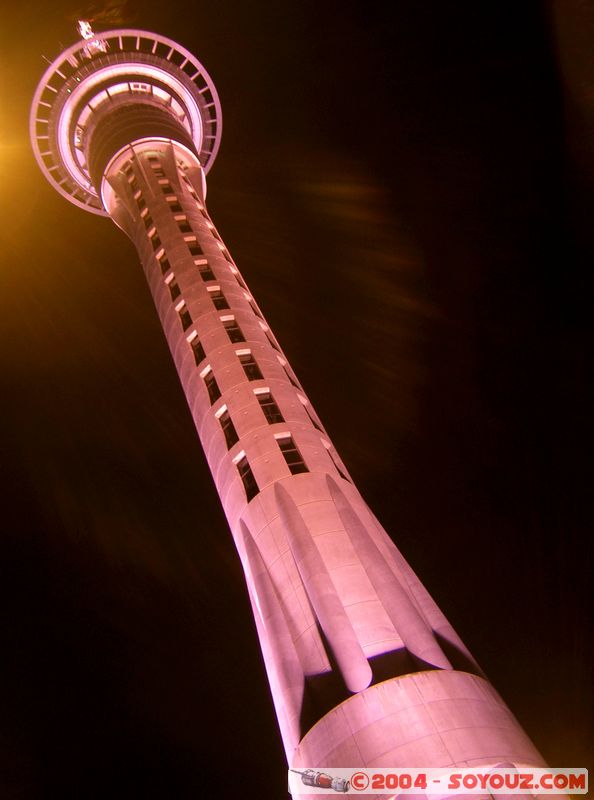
(363, 667)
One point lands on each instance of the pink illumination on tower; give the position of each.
(363, 667)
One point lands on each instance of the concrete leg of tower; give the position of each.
(432, 719)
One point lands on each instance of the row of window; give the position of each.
(271, 412)
(247, 361)
(183, 224)
(291, 454)
(159, 173)
(267, 403)
(156, 165)
(219, 300)
(285, 441)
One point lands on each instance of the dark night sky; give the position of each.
(409, 196)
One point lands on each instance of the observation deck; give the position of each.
(98, 96)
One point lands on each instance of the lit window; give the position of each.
(234, 332)
(311, 416)
(198, 350)
(174, 289)
(290, 377)
(270, 408)
(250, 366)
(184, 315)
(206, 272)
(247, 477)
(256, 310)
(273, 343)
(218, 298)
(156, 165)
(164, 264)
(228, 428)
(212, 387)
(336, 464)
(291, 454)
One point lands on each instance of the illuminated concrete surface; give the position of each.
(363, 667)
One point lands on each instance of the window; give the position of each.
(250, 366)
(184, 226)
(311, 416)
(335, 462)
(174, 289)
(141, 203)
(228, 428)
(184, 315)
(164, 264)
(174, 206)
(273, 343)
(247, 478)
(212, 387)
(206, 272)
(187, 180)
(198, 350)
(155, 241)
(234, 332)
(148, 221)
(156, 165)
(218, 298)
(269, 407)
(256, 310)
(291, 379)
(166, 187)
(291, 454)
(195, 249)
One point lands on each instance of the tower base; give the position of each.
(432, 719)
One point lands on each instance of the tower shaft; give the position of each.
(363, 667)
